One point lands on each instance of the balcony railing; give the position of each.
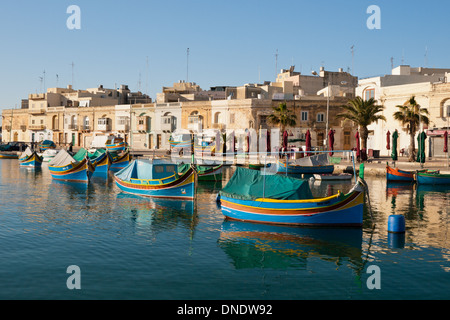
(37, 127)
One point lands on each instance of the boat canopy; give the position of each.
(80, 155)
(96, 154)
(26, 153)
(315, 160)
(247, 184)
(47, 143)
(147, 170)
(63, 158)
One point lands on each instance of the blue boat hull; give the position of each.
(33, 161)
(180, 188)
(296, 169)
(77, 172)
(441, 179)
(337, 210)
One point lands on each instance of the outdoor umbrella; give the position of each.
(331, 141)
(388, 140)
(421, 143)
(358, 148)
(285, 140)
(394, 155)
(445, 141)
(308, 143)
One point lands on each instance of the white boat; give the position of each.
(49, 154)
(333, 176)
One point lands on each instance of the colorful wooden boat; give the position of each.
(276, 199)
(46, 144)
(204, 173)
(432, 178)
(99, 158)
(30, 159)
(118, 161)
(333, 176)
(49, 154)
(205, 149)
(115, 144)
(395, 174)
(156, 178)
(67, 168)
(300, 169)
(9, 155)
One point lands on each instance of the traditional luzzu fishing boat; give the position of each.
(118, 161)
(333, 176)
(316, 164)
(156, 178)
(395, 174)
(204, 173)
(49, 154)
(30, 159)
(99, 158)
(302, 169)
(275, 199)
(423, 177)
(65, 167)
(46, 144)
(8, 155)
(115, 144)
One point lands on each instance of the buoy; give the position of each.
(396, 240)
(396, 223)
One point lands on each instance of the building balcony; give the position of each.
(36, 111)
(37, 127)
(104, 127)
(85, 128)
(72, 127)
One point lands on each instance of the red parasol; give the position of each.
(285, 140)
(388, 140)
(445, 141)
(331, 141)
(308, 143)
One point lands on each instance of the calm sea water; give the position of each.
(128, 247)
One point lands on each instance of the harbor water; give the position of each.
(130, 247)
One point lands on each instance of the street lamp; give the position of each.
(328, 110)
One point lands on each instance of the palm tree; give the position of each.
(411, 115)
(283, 117)
(363, 113)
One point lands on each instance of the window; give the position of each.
(159, 169)
(123, 121)
(232, 118)
(369, 93)
(304, 115)
(170, 169)
(320, 117)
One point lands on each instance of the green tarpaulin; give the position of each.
(421, 145)
(80, 155)
(250, 184)
(394, 155)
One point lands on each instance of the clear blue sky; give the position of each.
(230, 42)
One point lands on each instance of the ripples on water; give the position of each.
(130, 247)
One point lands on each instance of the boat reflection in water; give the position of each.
(252, 245)
(157, 214)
